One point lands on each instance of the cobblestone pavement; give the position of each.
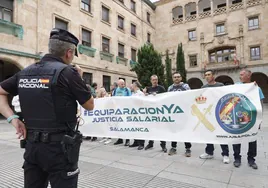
(109, 166)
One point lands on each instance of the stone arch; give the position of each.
(8, 68)
(219, 4)
(226, 80)
(262, 81)
(195, 83)
(204, 6)
(190, 9)
(177, 12)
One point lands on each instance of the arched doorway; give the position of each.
(7, 70)
(262, 81)
(195, 83)
(226, 80)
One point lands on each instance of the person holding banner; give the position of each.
(153, 90)
(245, 77)
(209, 151)
(121, 90)
(102, 93)
(136, 91)
(179, 86)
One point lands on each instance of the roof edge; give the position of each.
(150, 4)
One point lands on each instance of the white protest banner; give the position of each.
(221, 115)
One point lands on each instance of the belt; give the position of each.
(44, 137)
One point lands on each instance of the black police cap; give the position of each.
(65, 36)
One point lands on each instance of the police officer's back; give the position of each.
(48, 92)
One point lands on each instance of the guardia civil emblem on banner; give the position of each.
(235, 113)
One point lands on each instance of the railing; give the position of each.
(236, 6)
(205, 14)
(190, 18)
(177, 20)
(251, 3)
(219, 11)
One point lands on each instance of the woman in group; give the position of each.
(136, 91)
(102, 93)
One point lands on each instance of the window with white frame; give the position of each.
(253, 23)
(192, 35)
(220, 29)
(121, 50)
(86, 37)
(86, 5)
(255, 53)
(6, 10)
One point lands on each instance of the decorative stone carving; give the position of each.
(220, 40)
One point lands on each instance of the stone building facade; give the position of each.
(222, 35)
(110, 33)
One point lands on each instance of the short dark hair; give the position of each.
(212, 71)
(176, 73)
(94, 84)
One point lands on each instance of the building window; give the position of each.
(236, 1)
(121, 1)
(106, 82)
(192, 35)
(255, 53)
(105, 14)
(87, 77)
(61, 24)
(133, 54)
(105, 44)
(222, 55)
(193, 60)
(86, 38)
(253, 23)
(148, 37)
(121, 50)
(220, 29)
(133, 29)
(148, 17)
(120, 22)
(134, 81)
(85, 5)
(6, 10)
(133, 5)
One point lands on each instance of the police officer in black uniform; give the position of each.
(48, 91)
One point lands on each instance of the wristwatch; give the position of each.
(12, 117)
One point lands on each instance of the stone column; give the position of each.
(211, 5)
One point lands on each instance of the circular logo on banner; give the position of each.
(235, 113)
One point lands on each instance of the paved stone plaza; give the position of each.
(109, 166)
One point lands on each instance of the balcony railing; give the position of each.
(190, 18)
(177, 20)
(236, 6)
(251, 3)
(219, 11)
(205, 14)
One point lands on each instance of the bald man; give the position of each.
(121, 90)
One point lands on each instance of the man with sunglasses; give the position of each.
(178, 85)
(209, 151)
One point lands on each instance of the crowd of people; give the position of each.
(119, 89)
